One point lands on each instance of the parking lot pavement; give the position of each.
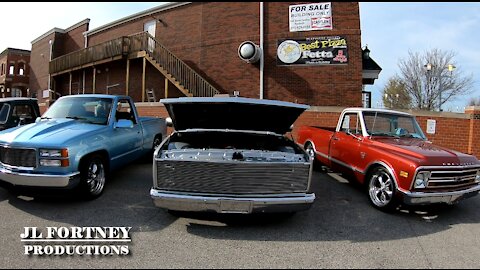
(341, 230)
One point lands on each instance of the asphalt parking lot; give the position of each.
(341, 230)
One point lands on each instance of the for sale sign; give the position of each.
(308, 17)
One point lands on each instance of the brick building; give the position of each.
(192, 49)
(14, 73)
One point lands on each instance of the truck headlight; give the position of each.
(421, 180)
(53, 153)
(478, 176)
(51, 162)
(54, 157)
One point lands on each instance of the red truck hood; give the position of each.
(423, 152)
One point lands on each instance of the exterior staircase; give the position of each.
(187, 80)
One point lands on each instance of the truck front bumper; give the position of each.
(421, 198)
(227, 204)
(39, 180)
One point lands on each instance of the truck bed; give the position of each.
(319, 137)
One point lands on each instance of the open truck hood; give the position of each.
(234, 113)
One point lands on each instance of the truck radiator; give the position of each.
(17, 157)
(232, 178)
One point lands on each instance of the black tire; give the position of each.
(381, 190)
(93, 176)
(156, 142)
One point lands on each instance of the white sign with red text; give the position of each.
(308, 17)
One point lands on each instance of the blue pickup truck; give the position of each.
(77, 142)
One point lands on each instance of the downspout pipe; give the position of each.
(262, 61)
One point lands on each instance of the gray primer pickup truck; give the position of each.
(230, 155)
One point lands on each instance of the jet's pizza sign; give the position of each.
(326, 50)
(308, 17)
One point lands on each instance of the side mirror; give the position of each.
(124, 123)
(359, 138)
(169, 122)
(21, 121)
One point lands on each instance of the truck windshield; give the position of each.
(89, 109)
(5, 108)
(392, 125)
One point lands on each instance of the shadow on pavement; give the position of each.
(341, 212)
(125, 202)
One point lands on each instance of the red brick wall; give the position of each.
(63, 43)
(452, 133)
(207, 35)
(73, 39)
(39, 59)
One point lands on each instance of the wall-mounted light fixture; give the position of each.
(249, 52)
(366, 52)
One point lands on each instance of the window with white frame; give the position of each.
(21, 69)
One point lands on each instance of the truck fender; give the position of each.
(378, 163)
(81, 155)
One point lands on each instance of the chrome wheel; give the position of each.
(95, 178)
(310, 150)
(381, 188)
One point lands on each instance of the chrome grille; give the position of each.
(452, 179)
(18, 157)
(232, 178)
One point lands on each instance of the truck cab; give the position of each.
(18, 111)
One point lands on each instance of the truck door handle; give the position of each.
(335, 138)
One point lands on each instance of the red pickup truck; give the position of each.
(388, 153)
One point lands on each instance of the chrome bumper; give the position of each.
(419, 198)
(38, 180)
(243, 205)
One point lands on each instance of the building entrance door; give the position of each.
(150, 28)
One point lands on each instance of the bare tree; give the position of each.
(431, 88)
(474, 101)
(395, 95)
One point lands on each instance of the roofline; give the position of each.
(15, 50)
(94, 95)
(163, 7)
(59, 30)
(356, 109)
(16, 99)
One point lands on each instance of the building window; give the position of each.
(21, 69)
(16, 92)
(11, 70)
(366, 99)
(2, 70)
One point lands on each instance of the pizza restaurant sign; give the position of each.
(326, 50)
